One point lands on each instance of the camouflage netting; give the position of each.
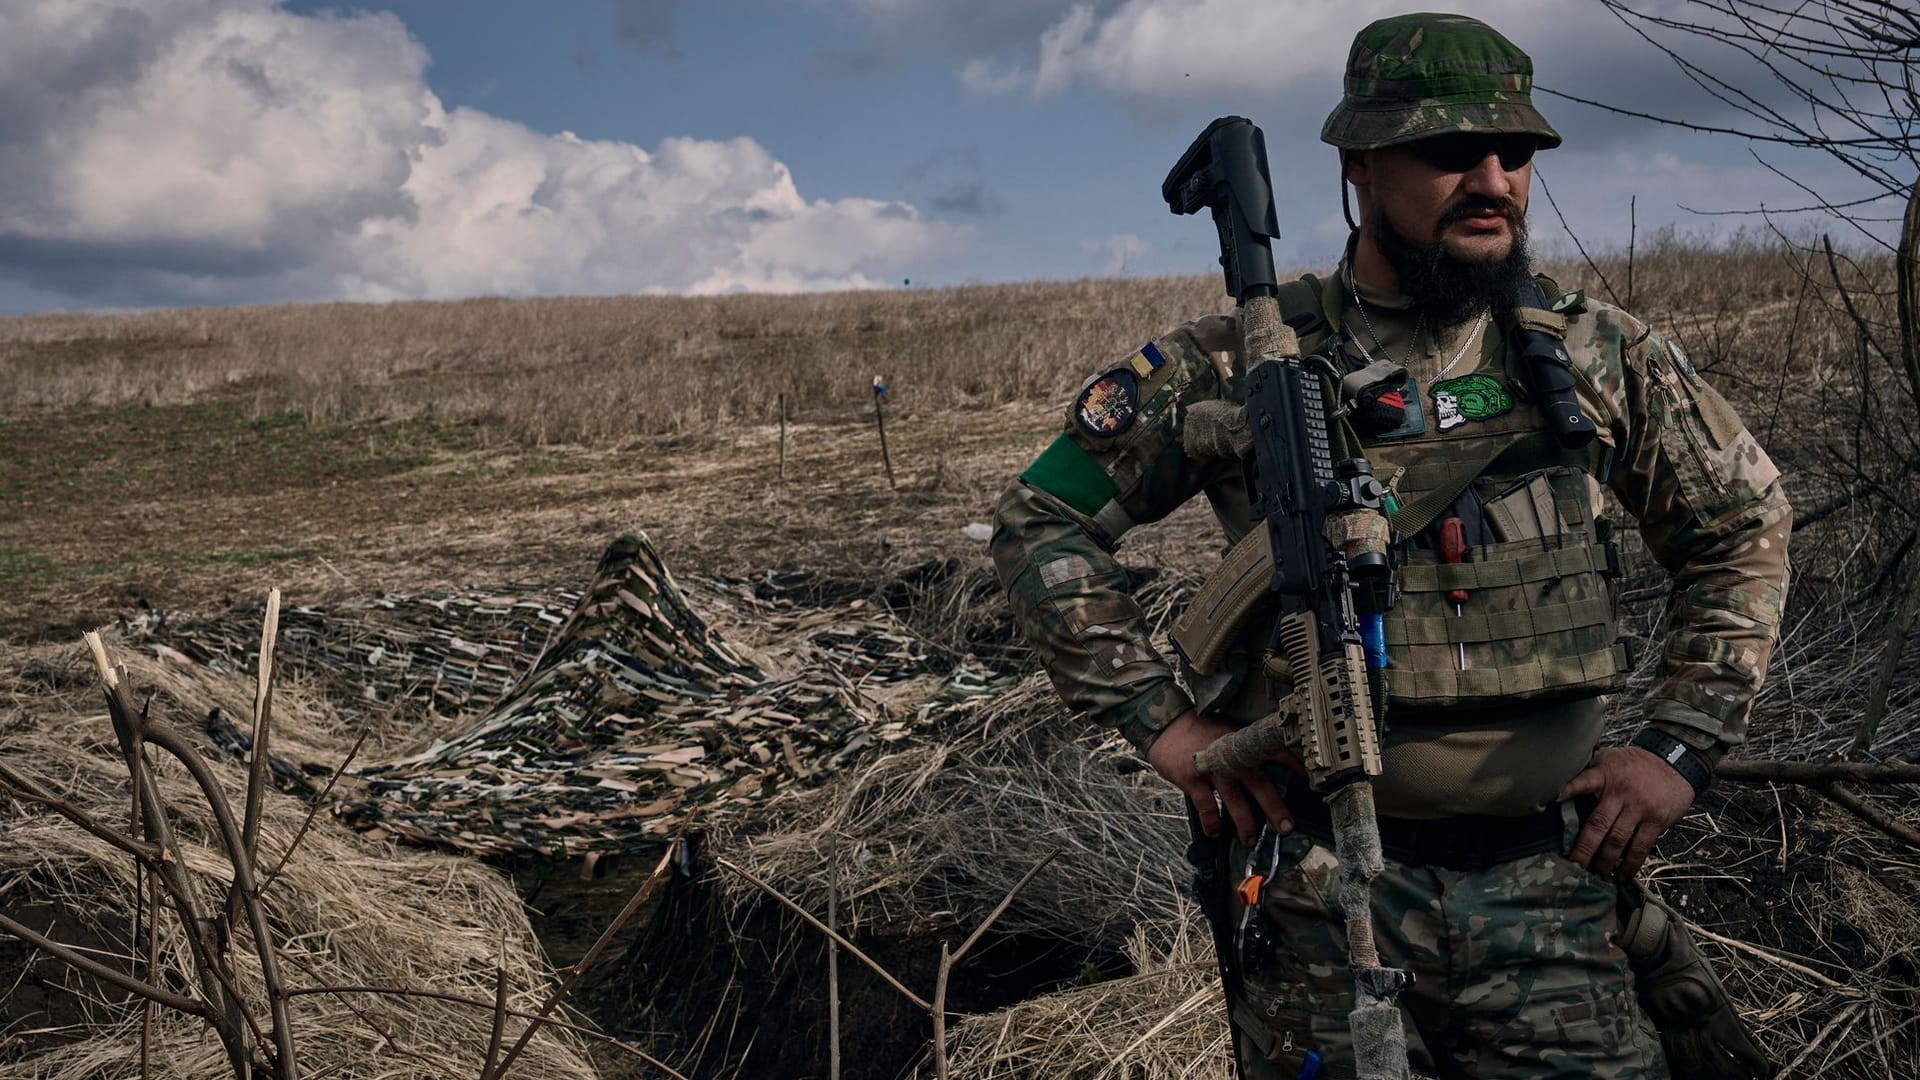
(635, 716)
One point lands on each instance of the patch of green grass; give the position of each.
(16, 563)
(148, 452)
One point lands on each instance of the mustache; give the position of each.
(1470, 205)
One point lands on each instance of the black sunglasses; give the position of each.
(1465, 151)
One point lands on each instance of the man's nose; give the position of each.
(1488, 178)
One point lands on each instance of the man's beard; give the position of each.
(1444, 287)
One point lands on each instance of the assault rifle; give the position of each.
(1329, 719)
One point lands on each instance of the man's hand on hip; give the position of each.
(1640, 799)
(1246, 798)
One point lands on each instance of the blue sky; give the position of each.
(164, 152)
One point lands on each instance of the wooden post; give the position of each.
(833, 973)
(783, 438)
(880, 421)
(1633, 231)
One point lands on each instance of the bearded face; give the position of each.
(1448, 285)
(1448, 217)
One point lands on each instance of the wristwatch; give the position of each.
(1685, 759)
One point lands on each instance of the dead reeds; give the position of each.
(355, 959)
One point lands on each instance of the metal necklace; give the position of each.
(1353, 286)
(1420, 320)
(1472, 335)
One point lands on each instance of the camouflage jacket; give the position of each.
(1707, 499)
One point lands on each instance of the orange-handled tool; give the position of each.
(1453, 549)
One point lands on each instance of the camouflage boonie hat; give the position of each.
(1414, 76)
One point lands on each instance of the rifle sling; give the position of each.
(1239, 584)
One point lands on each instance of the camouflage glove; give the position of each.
(1216, 429)
(1679, 992)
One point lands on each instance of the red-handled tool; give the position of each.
(1453, 550)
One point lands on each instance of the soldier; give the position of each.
(1511, 840)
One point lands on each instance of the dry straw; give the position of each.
(345, 911)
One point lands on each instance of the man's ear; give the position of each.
(1357, 167)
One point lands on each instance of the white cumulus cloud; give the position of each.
(163, 151)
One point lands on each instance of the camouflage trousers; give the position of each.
(1517, 973)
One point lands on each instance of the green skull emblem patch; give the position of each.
(1469, 397)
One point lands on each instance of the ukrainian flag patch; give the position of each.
(1146, 361)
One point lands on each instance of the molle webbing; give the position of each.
(1584, 669)
(1430, 485)
(1499, 625)
(1456, 477)
(1499, 567)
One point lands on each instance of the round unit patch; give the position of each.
(1469, 397)
(1107, 405)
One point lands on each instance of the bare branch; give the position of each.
(313, 809)
(1872, 814)
(634, 903)
(23, 787)
(1591, 265)
(1750, 771)
(151, 815)
(262, 716)
(72, 958)
(1866, 331)
(872, 965)
(244, 884)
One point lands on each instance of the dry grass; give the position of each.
(597, 371)
(346, 911)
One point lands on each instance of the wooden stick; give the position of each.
(947, 963)
(833, 974)
(872, 965)
(262, 710)
(1909, 295)
(153, 961)
(499, 1012)
(1005, 901)
(1633, 232)
(1871, 814)
(880, 421)
(244, 885)
(1747, 770)
(783, 438)
(1772, 958)
(940, 1014)
(319, 801)
(579, 969)
(1890, 652)
(151, 817)
(25, 788)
